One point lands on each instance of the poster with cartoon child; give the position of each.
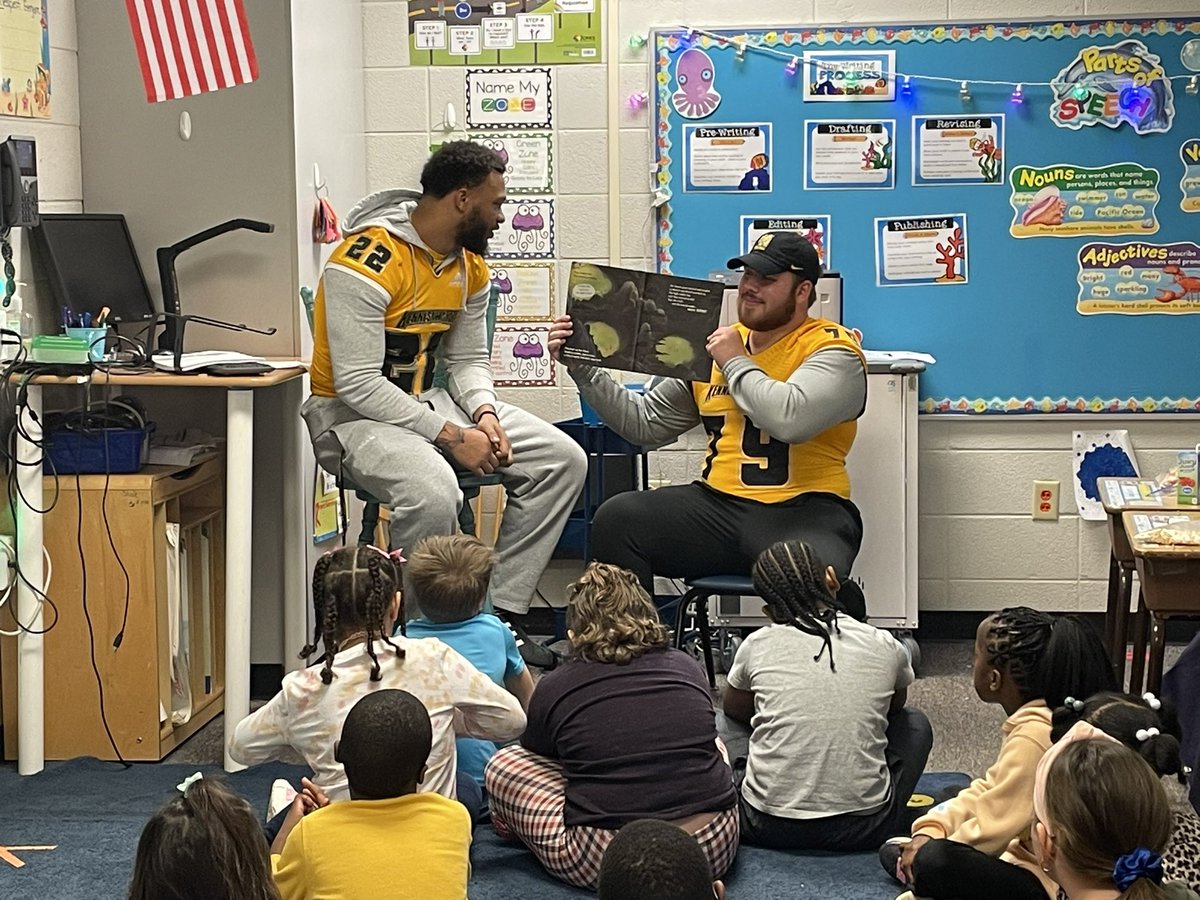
(727, 158)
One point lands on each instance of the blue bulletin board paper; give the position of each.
(1095, 93)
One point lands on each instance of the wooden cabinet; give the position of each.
(109, 540)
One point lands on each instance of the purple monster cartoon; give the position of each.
(529, 356)
(694, 73)
(504, 286)
(497, 145)
(528, 226)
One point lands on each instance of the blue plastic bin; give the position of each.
(84, 453)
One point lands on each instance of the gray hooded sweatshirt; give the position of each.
(354, 321)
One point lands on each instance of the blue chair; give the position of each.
(699, 590)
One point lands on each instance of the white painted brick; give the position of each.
(933, 433)
(59, 173)
(635, 160)
(634, 78)
(64, 101)
(396, 100)
(695, 439)
(931, 595)
(1094, 549)
(998, 433)
(61, 16)
(931, 547)
(643, 265)
(395, 160)
(1123, 8)
(582, 227)
(1093, 595)
(639, 16)
(1004, 547)
(543, 402)
(580, 97)
(1000, 481)
(935, 490)
(991, 596)
(447, 84)
(582, 162)
(836, 11)
(637, 226)
(969, 10)
(385, 34)
(719, 12)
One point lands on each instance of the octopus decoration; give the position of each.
(695, 76)
(529, 229)
(529, 356)
(504, 287)
(497, 144)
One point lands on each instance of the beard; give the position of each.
(763, 319)
(473, 233)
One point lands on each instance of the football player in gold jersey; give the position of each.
(780, 411)
(409, 286)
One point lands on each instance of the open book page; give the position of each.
(641, 321)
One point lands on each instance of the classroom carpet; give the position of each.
(92, 813)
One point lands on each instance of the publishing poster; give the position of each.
(846, 154)
(921, 250)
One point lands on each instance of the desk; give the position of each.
(1170, 577)
(239, 505)
(1118, 495)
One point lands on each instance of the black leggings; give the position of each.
(691, 530)
(948, 870)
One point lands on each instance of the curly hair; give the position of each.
(459, 164)
(611, 617)
(1153, 733)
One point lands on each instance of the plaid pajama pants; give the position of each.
(527, 793)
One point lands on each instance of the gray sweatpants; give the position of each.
(413, 478)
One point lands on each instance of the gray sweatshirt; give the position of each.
(354, 322)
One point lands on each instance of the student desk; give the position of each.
(1170, 577)
(1118, 495)
(239, 538)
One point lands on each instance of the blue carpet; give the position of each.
(94, 811)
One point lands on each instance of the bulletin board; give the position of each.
(1021, 200)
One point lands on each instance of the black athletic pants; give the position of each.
(691, 530)
(948, 870)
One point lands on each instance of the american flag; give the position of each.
(187, 47)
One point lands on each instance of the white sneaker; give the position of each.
(282, 795)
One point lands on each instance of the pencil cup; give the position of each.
(97, 340)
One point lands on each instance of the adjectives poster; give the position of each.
(1139, 278)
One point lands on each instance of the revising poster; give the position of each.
(527, 231)
(526, 291)
(814, 229)
(528, 158)
(1065, 200)
(958, 150)
(1099, 454)
(849, 154)
(1139, 279)
(727, 157)
(513, 33)
(520, 357)
(922, 250)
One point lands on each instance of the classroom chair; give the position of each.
(469, 483)
(696, 597)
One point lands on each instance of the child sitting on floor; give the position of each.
(1103, 820)
(447, 576)
(834, 755)
(206, 844)
(357, 600)
(654, 860)
(343, 849)
(1028, 662)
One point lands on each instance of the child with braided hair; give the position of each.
(357, 601)
(1027, 662)
(834, 755)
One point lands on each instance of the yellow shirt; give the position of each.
(426, 293)
(744, 460)
(418, 842)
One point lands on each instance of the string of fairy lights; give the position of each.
(906, 80)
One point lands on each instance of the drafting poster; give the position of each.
(727, 157)
(921, 250)
(526, 291)
(814, 229)
(849, 154)
(520, 357)
(958, 150)
(527, 231)
(528, 158)
(512, 33)
(1099, 454)
(24, 59)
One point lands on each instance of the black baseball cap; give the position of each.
(781, 251)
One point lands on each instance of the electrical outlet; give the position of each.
(1045, 499)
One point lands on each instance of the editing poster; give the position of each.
(924, 250)
(529, 160)
(1066, 200)
(958, 150)
(1139, 279)
(527, 231)
(814, 229)
(727, 158)
(849, 154)
(526, 291)
(520, 357)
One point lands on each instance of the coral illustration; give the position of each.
(949, 254)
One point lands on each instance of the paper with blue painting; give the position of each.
(1099, 454)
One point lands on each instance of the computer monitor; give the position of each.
(90, 262)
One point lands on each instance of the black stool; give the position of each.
(696, 597)
(468, 482)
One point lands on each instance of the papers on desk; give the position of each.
(202, 359)
(1136, 493)
(895, 356)
(1168, 530)
(181, 448)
